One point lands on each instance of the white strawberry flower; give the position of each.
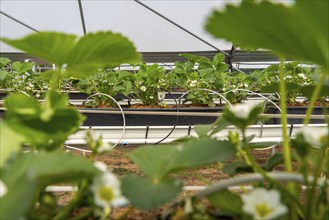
(315, 136)
(3, 189)
(263, 204)
(302, 75)
(106, 190)
(143, 88)
(242, 110)
(193, 83)
(105, 147)
(161, 95)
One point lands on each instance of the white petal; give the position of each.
(242, 110)
(313, 136)
(100, 165)
(278, 211)
(120, 201)
(3, 189)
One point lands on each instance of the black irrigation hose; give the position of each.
(175, 124)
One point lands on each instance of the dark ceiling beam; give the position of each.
(82, 18)
(170, 57)
(181, 27)
(18, 21)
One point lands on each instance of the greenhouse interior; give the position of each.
(143, 109)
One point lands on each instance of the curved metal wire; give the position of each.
(175, 124)
(122, 113)
(267, 99)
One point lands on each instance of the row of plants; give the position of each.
(197, 74)
(44, 127)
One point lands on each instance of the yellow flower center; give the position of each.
(106, 194)
(263, 210)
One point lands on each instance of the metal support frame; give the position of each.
(181, 27)
(18, 21)
(82, 18)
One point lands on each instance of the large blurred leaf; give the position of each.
(50, 46)
(274, 87)
(30, 172)
(82, 56)
(226, 201)
(299, 31)
(47, 125)
(95, 50)
(10, 142)
(12, 204)
(146, 194)
(307, 91)
(236, 167)
(157, 162)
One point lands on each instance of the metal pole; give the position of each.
(82, 18)
(18, 21)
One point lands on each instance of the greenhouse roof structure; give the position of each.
(159, 29)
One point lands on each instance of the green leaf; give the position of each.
(276, 27)
(307, 91)
(220, 124)
(24, 189)
(10, 142)
(274, 161)
(3, 75)
(218, 59)
(206, 66)
(31, 172)
(236, 167)
(4, 61)
(44, 168)
(21, 67)
(202, 130)
(145, 194)
(82, 56)
(274, 87)
(47, 125)
(95, 50)
(195, 58)
(157, 162)
(227, 201)
(50, 46)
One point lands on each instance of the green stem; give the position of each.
(55, 85)
(312, 191)
(283, 106)
(314, 97)
(257, 168)
(125, 214)
(64, 213)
